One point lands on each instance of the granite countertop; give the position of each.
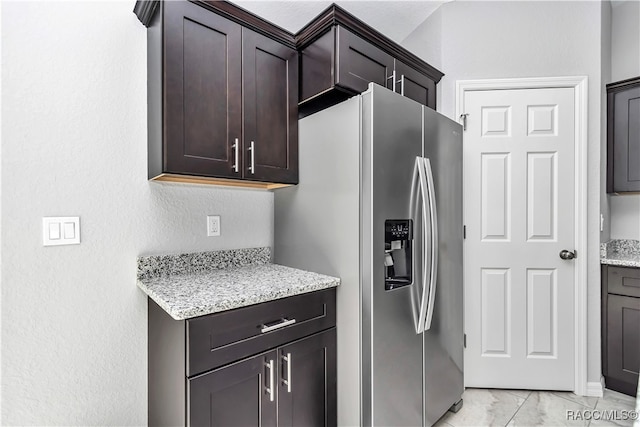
(624, 253)
(191, 285)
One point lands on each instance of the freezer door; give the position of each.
(443, 341)
(392, 360)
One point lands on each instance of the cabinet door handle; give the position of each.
(252, 168)
(236, 148)
(287, 381)
(270, 389)
(282, 324)
(392, 77)
(402, 85)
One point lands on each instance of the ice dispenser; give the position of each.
(398, 253)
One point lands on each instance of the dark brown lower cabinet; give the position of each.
(293, 385)
(235, 395)
(308, 396)
(269, 364)
(621, 328)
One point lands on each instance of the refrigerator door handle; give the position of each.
(420, 175)
(433, 271)
(416, 294)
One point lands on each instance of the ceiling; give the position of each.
(394, 19)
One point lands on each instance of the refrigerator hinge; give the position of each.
(464, 231)
(465, 341)
(464, 120)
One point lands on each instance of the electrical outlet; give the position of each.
(213, 225)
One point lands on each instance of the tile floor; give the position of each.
(515, 408)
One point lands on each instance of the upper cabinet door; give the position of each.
(202, 91)
(270, 88)
(415, 85)
(359, 62)
(623, 139)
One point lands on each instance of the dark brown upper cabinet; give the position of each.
(222, 96)
(340, 55)
(359, 62)
(415, 85)
(623, 136)
(226, 88)
(270, 107)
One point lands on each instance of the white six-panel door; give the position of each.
(519, 213)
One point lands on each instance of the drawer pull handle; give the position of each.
(270, 388)
(282, 324)
(287, 381)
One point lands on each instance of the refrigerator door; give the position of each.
(392, 362)
(443, 341)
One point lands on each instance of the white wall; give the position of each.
(74, 143)
(605, 70)
(0, 216)
(484, 40)
(625, 39)
(625, 64)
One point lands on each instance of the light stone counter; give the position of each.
(620, 252)
(191, 285)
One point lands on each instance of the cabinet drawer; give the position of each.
(221, 338)
(623, 281)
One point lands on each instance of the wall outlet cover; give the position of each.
(213, 225)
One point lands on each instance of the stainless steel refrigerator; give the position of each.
(379, 204)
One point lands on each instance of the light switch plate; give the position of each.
(61, 230)
(213, 225)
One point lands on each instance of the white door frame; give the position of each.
(580, 84)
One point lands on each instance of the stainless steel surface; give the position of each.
(395, 350)
(236, 149)
(443, 342)
(434, 245)
(252, 166)
(365, 324)
(282, 324)
(333, 223)
(565, 254)
(287, 381)
(270, 389)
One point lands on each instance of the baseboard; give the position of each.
(595, 388)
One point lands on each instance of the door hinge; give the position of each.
(464, 231)
(464, 120)
(465, 341)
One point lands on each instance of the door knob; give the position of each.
(565, 254)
